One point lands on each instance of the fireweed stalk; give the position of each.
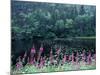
(51, 57)
(33, 50)
(40, 52)
(73, 57)
(32, 53)
(58, 50)
(31, 61)
(64, 59)
(42, 62)
(19, 64)
(89, 58)
(23, 60)
(69, 58)
(77, 57)
(83, 56)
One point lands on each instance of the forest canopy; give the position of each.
(52, 20)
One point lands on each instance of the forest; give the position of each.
(47, 20)
(52, 30)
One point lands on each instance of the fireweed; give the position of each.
(51, 57)
(40, 52)
(64, 59)
(72, 57)
(89, 58)
(77, 57)
(54, 61)
(83, 56)
(19, 63)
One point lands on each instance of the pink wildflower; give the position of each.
(83, 56)
(69, 58)
(89, 58)
(72, 57)
(31, 61)
(77, 57)
(64, 59)
(25, 54)
(41, 49)
(58, 50)
(51, 57)
(19, 64)
(40, 52)
(33, 50)
(41, 62)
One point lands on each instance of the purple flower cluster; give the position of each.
(41, 61)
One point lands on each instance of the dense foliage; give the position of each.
(48, 20)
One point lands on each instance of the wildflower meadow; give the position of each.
(52, 37)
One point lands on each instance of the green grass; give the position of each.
(65, 67)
